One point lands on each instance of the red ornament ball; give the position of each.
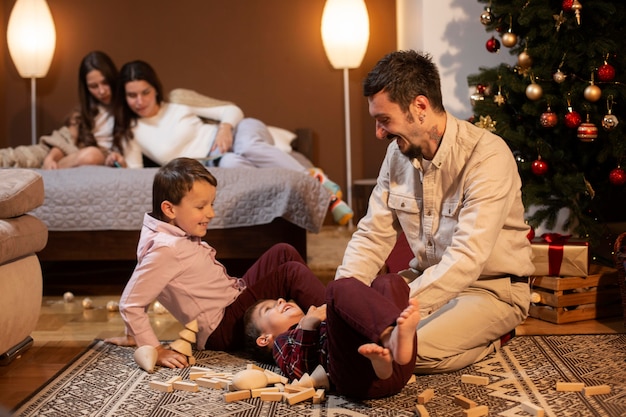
(531, 233)
(548, 119)
(539, 167)
(587, 132)
(567, 5)
(493, 45)
(480, 88)
(606, 72)
(617, 176)
(573, 119)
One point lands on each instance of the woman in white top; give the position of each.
(218, 133)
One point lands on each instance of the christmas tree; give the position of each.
(562, 107)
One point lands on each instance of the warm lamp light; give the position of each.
(31, 38)
(345, 35)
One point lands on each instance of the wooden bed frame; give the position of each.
(237, 248)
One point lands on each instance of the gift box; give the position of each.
(560, 255)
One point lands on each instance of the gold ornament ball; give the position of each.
(534, 91)
(559, 76)
(592, 93)
(509, 39)
(524, 60)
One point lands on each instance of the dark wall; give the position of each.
(265, 55)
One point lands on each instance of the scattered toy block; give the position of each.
(161, 386)
(229, 397)
(211, 383)
(474, 379)
(257, 392)
(532, 409)
(464, 402)
(412, 379)
(200, 369)
(478, 411)
(192, 325)
(290, 388)
(320, 396)
(306, 381)
(570, 386)
(281, 387)
(174, 379)
(185, 386)
(425, 396)
(273, 377)
(597, 390)
(191, 360)
(271, 396)
(297, 397)
(422, 411)
(197, 375)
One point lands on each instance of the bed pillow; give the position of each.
(282, 138)
(21, 190)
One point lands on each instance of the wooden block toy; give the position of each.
(146, 357)
(320, 378)
(273, 377)
(280, 387)
(257, 392)
(229, 397)
(161, 386)
(290, 388)
(181, 346)
(474, 379)
(570, 386)
(305, 381)
(478, 411)
(271, 396)
(197, 375)
(253, 366)
(191, 360)
(174, 379)
(425, 396)
(200, 369)
(422, 411)
(192, 325)
(412, 379)
(464, 402)
(320, 396)
(532, 409)
(211, 383)
(297, 397)
(597, 390)
(185, 386)
(249, 379)
(187, 335)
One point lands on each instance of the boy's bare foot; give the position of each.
(400, 342)
(380, 357)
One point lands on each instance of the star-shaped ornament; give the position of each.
(485, 122)
(499, 99)
(559, 19)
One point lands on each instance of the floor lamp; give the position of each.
(31, 37)
(345, 35)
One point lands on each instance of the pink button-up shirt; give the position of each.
(181, 272)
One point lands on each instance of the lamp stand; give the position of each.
(346, 107)
(33, 110)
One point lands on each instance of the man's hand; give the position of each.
(313, 317)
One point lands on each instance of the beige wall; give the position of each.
(265, 55)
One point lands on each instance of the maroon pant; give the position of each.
(279, 273)
(357, 314)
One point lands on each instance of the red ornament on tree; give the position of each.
(567, 5)
(617, 176)
(548, 118)
(493, 45)
(606, 72)
(539, 167)
(572, 119)
(587, 132)
(531, 233)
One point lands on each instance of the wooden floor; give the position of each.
(65, 329)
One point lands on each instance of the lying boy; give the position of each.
(363, 336)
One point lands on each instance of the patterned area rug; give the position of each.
(105, 381)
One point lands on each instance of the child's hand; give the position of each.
(170, 358)
(313, 317)
(121, 341)
(115, 159)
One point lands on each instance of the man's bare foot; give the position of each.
(400, 342)
(380, 357)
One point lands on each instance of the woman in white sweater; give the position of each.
(217, 132)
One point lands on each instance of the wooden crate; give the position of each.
(569, 299)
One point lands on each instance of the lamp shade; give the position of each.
(345, 32)
(31, 37)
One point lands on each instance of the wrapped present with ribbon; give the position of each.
(560, 255)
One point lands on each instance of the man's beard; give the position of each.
(411, 151)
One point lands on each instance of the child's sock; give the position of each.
(331, 186)
(342, 213)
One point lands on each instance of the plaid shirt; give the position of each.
(299, 351)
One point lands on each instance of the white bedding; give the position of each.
(103, 198)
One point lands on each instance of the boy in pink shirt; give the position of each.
(177, 268)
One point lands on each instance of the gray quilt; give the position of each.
(103, 198)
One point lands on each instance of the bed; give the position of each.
(94, 214)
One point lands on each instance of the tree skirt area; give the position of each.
(105, 381)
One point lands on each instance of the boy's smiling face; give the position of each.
(276, 316)
(195, 210)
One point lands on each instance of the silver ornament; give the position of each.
(486, 17)
(609, 121)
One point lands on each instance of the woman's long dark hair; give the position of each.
(95, 60)
(124, 115)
